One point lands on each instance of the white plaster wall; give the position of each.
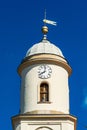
(26, 125)
(58, 84)
(68, 126)
(46, 125)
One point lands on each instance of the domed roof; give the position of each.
(44, 47)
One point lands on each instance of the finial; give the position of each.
(45, 31)
(45, 28)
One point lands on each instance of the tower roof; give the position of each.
(44, 47)
(44, 52)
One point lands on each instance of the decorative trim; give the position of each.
(44, 123)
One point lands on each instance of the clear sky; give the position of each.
(20, 28)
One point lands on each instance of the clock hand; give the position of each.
(45, 68)
(42, 72)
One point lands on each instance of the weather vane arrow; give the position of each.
(49, 21)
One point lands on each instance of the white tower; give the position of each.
(44, 89)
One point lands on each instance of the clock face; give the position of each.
(44, 71)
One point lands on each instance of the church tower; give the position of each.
(44, 89)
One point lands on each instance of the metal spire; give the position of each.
(45, 16)
(45, 28)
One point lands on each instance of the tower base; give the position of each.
(44, 122)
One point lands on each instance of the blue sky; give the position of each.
(20, 28)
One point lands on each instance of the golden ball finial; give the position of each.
(44, 29)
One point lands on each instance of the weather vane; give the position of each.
(48, 21)
(45, 28)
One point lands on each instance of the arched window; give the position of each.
(44, 92)
(44, 128)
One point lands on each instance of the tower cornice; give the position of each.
(44, 58)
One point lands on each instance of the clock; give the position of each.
(44, 71)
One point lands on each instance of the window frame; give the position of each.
(39, 92)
